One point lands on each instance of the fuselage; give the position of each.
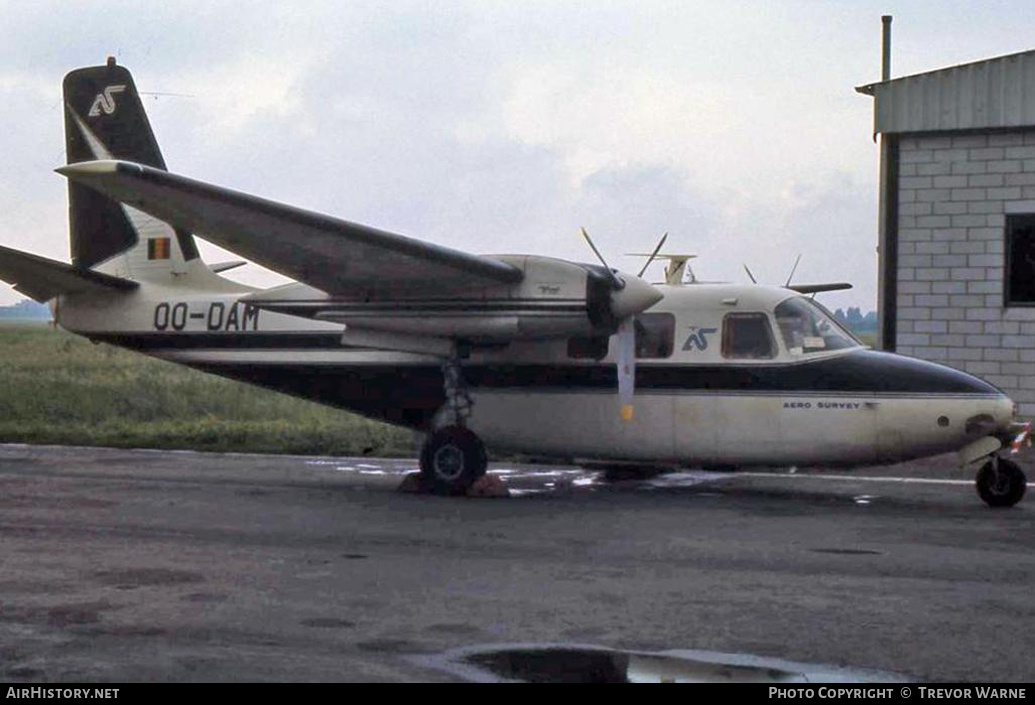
(703, 396)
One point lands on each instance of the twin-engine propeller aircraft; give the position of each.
(518, 352)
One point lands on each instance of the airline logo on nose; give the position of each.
(105, 101)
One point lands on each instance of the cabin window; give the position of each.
(588, 348)
(655, 333)
(1020, 260)
(747, 336)
(807, 327)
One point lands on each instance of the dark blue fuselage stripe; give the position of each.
(861, 371)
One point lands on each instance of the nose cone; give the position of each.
(636, 296)
(988, 408)
(996, 415)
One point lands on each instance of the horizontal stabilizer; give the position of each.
(42, 279)
(818, 288)
(327, 253)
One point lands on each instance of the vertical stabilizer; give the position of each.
(105, 119)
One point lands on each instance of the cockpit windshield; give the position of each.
(807, 328)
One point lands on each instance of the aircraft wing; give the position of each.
(42, 279)
(332, 255)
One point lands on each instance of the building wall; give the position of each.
(954, 192)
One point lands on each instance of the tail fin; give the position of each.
(105, 119)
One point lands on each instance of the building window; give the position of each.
(748, 336)
(655, 333)
(1020, 260)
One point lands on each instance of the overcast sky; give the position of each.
(503, 127)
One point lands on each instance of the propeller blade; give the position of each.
(793, 270)
(614, 277)
(627, 365)
(653, 254)
(750, 275)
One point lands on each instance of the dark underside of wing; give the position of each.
(327, 253)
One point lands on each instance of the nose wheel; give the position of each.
(1001, 482)
(451, 460)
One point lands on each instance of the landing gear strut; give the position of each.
(1001, 482)
(453, 457)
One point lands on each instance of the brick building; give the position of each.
(957, 219)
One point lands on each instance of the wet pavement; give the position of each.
(156, 565)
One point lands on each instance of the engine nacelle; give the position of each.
(555, 298)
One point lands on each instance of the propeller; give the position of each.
(653, 254)
(677, 263)
(627, 365)
(750, 275)
(793, 270)
(628, 297)
(619, 284)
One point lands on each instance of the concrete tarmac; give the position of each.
(121, 565)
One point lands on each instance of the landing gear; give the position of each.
(453, 457)
(451, 460)
(1001, 482)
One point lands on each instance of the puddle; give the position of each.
(558, 663)
(517, 492)
(687, 478)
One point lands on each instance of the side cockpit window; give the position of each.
(747, 336)
(806, 327)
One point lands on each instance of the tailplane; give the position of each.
(43, 279)
(105, 119)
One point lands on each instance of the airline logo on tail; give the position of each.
(105, 101)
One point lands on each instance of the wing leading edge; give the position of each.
(330, 254)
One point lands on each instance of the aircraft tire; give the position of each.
(1003, 488)
(451, 460)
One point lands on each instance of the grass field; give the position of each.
(59, 388)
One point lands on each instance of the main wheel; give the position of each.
(451, 460)
(1001, 486)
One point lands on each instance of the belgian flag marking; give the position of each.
(158, 248)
